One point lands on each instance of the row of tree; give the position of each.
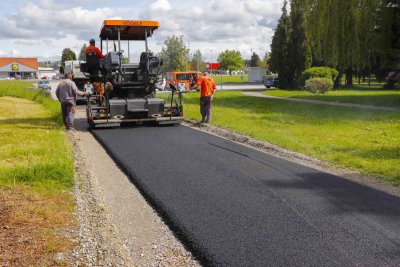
(176, 56)
(354, 36)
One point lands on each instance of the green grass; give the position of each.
(361, 94)
(35, 150)
(36, 177)
(359, 139)
(229, 78)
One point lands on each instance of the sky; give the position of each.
(43, 28)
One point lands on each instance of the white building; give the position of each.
(46, 73)
(256, 74)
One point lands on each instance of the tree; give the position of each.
(197, 61)
(55, 65)
(82, 55)
(387, 51)
(264, 62)
(231, 60)
(343, 33)
(175, 54)
(299, 50)
(255, 60)
(279, 49)
(67, 54)
(125, 60)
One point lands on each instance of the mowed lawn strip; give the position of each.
(362, 95)
(226, 78)
(359, 139)
(36, 179)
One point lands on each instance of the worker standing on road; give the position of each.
(207, 87)
(66, 93)
(93, 49)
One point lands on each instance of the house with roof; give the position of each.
(20, 68)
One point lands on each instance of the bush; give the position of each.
(319, 85)
(317, 72)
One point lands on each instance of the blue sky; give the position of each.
(43, 28)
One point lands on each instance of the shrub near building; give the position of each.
(317, 72)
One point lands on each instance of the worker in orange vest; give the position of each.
(207, 87)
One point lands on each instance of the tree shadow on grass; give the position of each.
(388, 100)
(375, 153)
(304, 113)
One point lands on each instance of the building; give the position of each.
(19, 68)
(256, 74)
(47, 73)
(212, 66)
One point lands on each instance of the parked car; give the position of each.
(271, 82)
(7, 78)
(44, 84)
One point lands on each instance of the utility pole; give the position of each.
(211, 63)
(251, 56)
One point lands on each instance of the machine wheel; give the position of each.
(90, 125)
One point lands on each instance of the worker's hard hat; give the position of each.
(92, 41)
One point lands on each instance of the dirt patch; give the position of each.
(29, 231)
(296, 157)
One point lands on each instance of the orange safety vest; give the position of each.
(207, 86)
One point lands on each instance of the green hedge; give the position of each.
(317, 72)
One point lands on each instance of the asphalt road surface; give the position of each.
(234, 206)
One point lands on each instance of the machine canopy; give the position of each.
(129, 29)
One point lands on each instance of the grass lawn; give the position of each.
(36, 178)
(230, 78)
(359, 139)
(362, 94)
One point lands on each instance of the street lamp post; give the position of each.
(251, 56)
(211, 63)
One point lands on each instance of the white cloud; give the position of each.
(42, 22)
(222, 24)
(14, 53)
(31, 42)
(46, 27)
(161, 5)
(264, 8)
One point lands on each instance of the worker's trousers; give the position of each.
(205, 108)
(68, 114)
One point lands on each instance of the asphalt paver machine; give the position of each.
(125, 93)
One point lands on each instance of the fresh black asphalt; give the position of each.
(235, 206)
